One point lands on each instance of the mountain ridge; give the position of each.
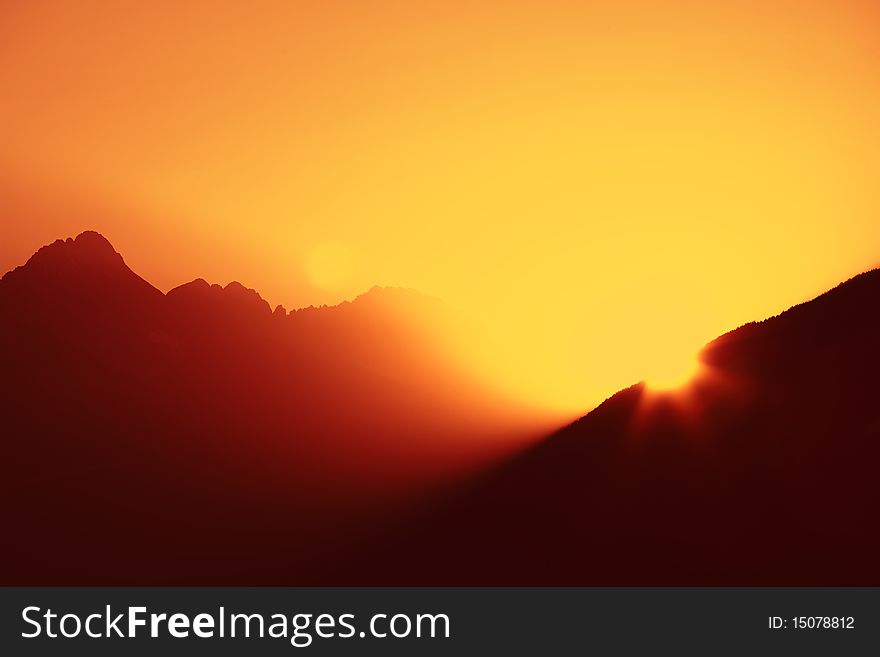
(92, 251)
(337, 446)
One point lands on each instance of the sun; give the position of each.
(328, 265)
(671, 371)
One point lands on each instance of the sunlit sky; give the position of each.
(605, 186)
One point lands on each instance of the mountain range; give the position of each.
(200, 436)
(193, 433)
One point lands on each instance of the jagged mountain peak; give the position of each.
(233, 295)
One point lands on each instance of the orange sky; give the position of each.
(605, 185)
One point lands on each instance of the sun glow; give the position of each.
(672, 372)
(328, 265)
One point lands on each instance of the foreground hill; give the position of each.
(762, 471)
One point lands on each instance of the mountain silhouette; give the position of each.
(201, 435)
(762, 472)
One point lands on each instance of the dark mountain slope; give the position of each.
(763, 471)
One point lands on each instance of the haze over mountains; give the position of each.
(201, 437)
